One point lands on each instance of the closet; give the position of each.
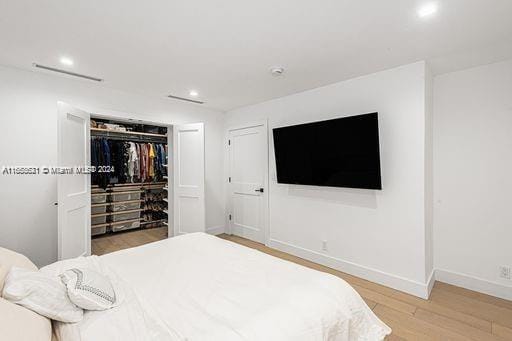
(129, 182)
(108, 192)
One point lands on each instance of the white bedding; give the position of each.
(200, 287)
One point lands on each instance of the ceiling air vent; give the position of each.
(185, 99)
(49, 68)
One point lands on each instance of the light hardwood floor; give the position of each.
(122, 240)
(451, 313)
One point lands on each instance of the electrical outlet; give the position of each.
(505, 272)
(324, 245)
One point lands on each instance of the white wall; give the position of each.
(473, 177)
(378, 235)
(28, 136)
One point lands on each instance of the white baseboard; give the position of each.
(474, 283)
(421, 290)
(215, 230)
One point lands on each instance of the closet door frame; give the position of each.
(172, 226)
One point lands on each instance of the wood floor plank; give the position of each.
(473, 294)
(462, 317)
(394, 337)
(485, 311)
(455, 326)
(115, 242)
(503, 332)
(421, 303)
(101, 242)
(400, 332)
(417, 326)
(385, 300)
(371, 304)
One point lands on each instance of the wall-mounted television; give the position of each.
(342, 152)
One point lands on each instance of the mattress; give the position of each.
(200, 287)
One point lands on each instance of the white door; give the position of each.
(248, 181)
(73, 190)
(189, 205)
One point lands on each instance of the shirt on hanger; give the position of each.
(132, 159)
(151, 153)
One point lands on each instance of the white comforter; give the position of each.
(200, 287)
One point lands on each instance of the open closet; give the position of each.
(128, 175)
(129, 185)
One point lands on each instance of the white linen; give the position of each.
(132, 320)
(200, 287)
(207, 288)
(40, 292)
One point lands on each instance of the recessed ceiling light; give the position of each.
(427, 10)
(66, 61)
(193, 93)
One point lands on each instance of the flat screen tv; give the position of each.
(342, 152)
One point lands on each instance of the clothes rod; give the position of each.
(153, 139)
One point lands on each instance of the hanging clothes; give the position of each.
(100, 157)
(160, 160)
(129, 161)
(144, 162)
(151, 167)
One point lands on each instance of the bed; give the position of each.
(200, 287)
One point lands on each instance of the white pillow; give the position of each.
(42, 293)
(89, 289)
(8, 259)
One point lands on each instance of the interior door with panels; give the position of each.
(248, 181)
(189, 196)
(73, 190)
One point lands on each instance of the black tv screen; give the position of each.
(342, 152)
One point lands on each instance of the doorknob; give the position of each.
(259, 190)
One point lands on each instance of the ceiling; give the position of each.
(224, 49)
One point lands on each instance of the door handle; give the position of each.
(259, 190)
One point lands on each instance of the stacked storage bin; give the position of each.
(99, 203)
(125, 208)
(115, 209)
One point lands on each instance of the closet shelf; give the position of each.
(125, 221)
(125, 192)
(116, 223)
(166, 212)
(99, 225)
(165, 188)
(132, 184)
(116, 202)
(135, 133)
(154, 187)
(100, 194)
(115, 213)
(146, 222)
